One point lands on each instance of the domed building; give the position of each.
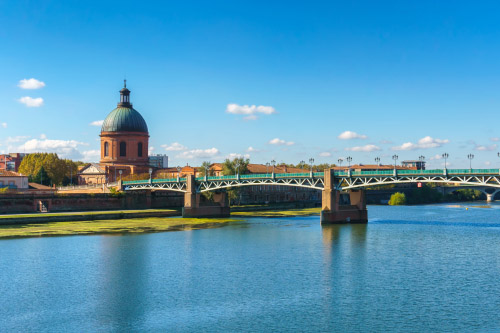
(124, 145)
(124, 135)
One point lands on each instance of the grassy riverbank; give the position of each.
(279, 213)
(99, 227)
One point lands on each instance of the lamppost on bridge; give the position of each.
(395, 158)
(470, 157)
(311, 161)
(349, 160)
(421, 158)
(237, 166)
(377, 160)
(445, 156)
(340, 161)
(267, 168)
(178, 173)
(150, 174)
(273, 163)
(302, 164)
(120, 172)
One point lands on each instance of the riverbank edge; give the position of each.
(85, 216)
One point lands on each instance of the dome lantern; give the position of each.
(124, 96)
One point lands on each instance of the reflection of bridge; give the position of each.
(331, 182)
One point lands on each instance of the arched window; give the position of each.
(106, 149)
(139, 149)
(123, 149)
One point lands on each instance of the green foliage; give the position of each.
(229, 168)
(204, 167)
(136, 176)
(397, 199)
(113, 192)
(465, 194)
(49, 167)
(424, 195)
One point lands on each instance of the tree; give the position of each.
(229, 168)
(397, 198)
(206, 166)
(57, 171)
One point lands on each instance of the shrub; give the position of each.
(397, 199)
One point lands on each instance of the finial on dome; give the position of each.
(125, 96)
(124, 83)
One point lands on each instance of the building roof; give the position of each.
(124, 119)
(6, 173)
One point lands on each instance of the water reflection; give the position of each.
(125, 260)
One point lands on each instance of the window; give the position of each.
(123, 149)
(106, 149)
(139, 149)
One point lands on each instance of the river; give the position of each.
(419, 268)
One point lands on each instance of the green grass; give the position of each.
(280, 213)
(138, 225)
(90, 213)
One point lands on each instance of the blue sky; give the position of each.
(410, 79)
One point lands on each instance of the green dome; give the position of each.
(124, 119)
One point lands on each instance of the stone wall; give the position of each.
(88, 202)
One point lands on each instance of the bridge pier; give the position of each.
(333, 212)
(192, 207)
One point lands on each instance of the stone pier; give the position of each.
(333, 212)
(192, 207)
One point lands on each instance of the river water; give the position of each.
(422, 268)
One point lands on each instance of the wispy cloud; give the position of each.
(91, 155)
(31, 84)
(485, 148)
(31, 102)
(349, 135)
(97, 123)
(4, 125)
(252, 150)
(236, 155)
(176, 146)
(280, 142)
(199, 153)
(325, 154)
(249, 111)
(366, 148)
(424, 143)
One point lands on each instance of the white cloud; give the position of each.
(280, 142)
(43, 136)
(349, 135)
(235, 155)
(176, 146)
(91, 155)
(436, 157)
(424, 143)
(366, 148)
(31, 84)
(151, 150)
(486, 148)
(487, 163)
(19, 138)
(31, 102)
(250, 111)
(252, 150)
(96, 123)
(325, 154)
(64, 148)
(495, 139)
(4, 125)
(386, 142)
(199, 153)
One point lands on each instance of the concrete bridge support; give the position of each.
(192, 207)
(333, 212)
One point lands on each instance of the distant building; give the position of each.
(11, 161)
(413, 164)
(13, 180)
(158, 161)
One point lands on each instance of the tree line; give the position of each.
(49, 169)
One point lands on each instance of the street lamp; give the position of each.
(395, 158)
(445, 156)
(302, 163)
(273, 163)
(267, 168)
(311, 161)
(178, 172)
(421, 158)
(470, 157)
(349, 160)
(150, 174)
(340, 161)
(120, 172)
(377, 160)
(237, 165)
